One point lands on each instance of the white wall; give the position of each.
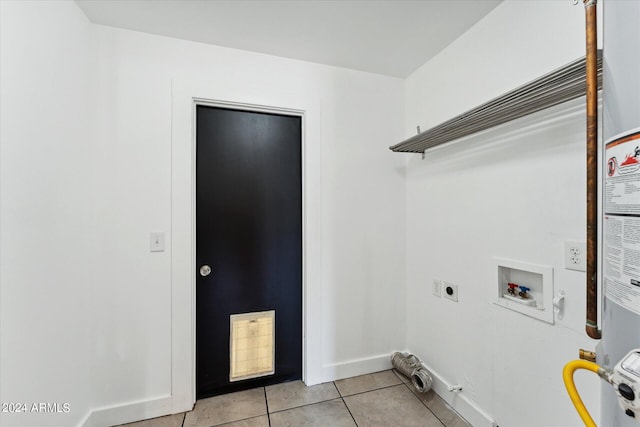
(85, 308)
(86, 175)
(50, 262)
(515, 192)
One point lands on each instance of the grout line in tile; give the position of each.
(316, 403)
(184, 417)
(352, 417)
(425, 405)
(266, 402)
(234, 421)
(336, 386)
(373, 389)
(345, 405)
(306, 404)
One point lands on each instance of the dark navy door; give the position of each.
(248, 240)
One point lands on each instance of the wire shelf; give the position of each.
(562, 85)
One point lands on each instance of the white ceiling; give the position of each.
(385, 37)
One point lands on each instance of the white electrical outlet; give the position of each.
(450, 291)
(437, 287)
(575, 255)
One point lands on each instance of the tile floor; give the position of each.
(384, 398)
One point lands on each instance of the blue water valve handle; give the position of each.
(524, 289)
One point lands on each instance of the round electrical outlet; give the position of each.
(450, 291)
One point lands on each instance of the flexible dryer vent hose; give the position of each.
(411, 367)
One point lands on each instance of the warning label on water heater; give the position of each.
(621, 221)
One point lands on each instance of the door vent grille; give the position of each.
(252, 345)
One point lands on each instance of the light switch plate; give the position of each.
(156, 241)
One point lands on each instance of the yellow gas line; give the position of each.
(567, 377)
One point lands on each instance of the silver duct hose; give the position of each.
(411, 367)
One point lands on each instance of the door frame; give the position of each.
(186, 96)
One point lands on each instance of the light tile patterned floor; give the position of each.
(381, 399)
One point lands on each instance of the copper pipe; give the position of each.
(592, 170)
(587, 355)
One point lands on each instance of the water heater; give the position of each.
(621, 200)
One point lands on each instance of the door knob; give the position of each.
(205, 270)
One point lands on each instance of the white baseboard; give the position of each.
(129, 412)
(136, 411)
(355, 367)
(460, 402)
